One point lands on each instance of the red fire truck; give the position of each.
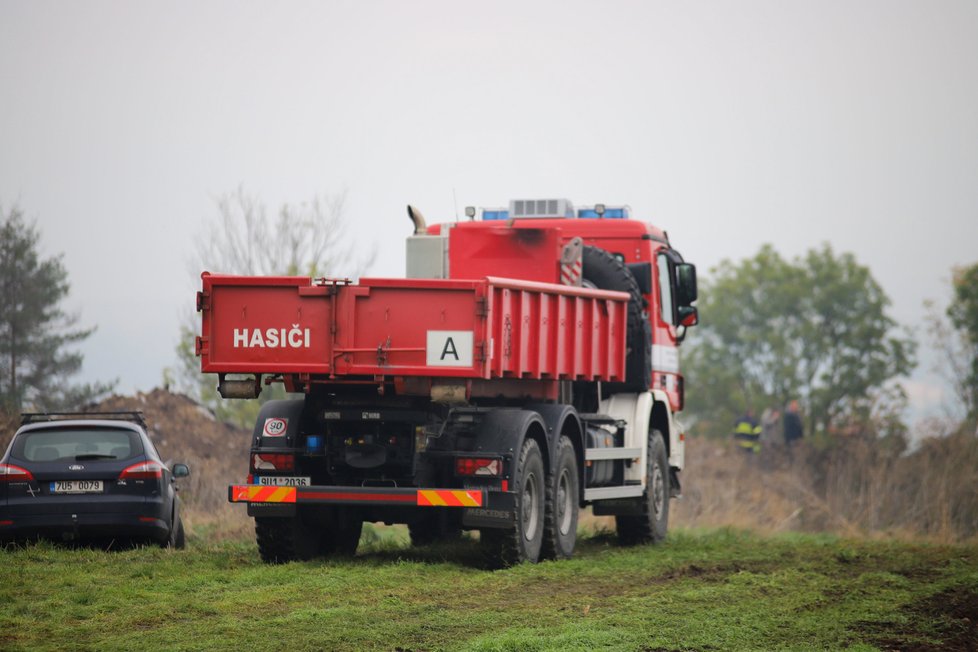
(527, 367)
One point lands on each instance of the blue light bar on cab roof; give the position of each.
(495, 214)
(617, 213)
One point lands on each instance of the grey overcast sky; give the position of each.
(730, 124)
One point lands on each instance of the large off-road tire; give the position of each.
(604, 271)
(340, 529)
(651, 524)
(282, 540)
(433, 526)
(523, 541)
(560, 519)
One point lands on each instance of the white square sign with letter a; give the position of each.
(449, 348)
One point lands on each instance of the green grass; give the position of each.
(716, 590)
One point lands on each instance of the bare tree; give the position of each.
(307, 239)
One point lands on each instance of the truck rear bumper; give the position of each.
(480, 507)
(388, 496)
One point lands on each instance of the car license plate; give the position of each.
(76, 487)
(282, 481)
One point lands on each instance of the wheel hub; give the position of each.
(529, 507)
(658, 491)
(565, 510)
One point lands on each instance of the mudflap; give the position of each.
(271, 510)
(499, 512)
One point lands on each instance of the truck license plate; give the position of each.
(282, 481)
(76, 487)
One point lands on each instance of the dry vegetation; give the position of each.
(859, 487)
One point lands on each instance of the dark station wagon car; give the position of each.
(69, 476)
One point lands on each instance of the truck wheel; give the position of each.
(604, 271)
(653, 522)
(341, 528)
(506, 547)
(560, 521)
(282, 540)
(433, 526)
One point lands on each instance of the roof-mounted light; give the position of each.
(495, 214)
(601, 211)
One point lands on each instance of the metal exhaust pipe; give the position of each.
(243, 388)
(420, 226)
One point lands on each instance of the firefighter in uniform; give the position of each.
(747, 433)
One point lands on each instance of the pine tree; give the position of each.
(35, 332)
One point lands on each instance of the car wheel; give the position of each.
(178, 538)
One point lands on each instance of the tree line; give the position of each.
(816, 329)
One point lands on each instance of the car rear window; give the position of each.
(75, 443)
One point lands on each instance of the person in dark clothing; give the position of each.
(793, 431)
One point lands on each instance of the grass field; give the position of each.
(702, 590)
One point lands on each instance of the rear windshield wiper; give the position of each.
(94, 456)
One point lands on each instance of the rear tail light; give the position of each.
(272, 462)
(142, 471)
(490, 466)
(11, 473)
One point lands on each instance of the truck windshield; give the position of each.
(73, 443)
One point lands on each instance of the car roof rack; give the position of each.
(42, 417)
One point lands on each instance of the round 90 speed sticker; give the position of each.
(275, 427)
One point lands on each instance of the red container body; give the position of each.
(485, 329)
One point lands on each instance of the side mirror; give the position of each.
(688, 316)
(181, 471)
(685, 285)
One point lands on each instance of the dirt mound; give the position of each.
(179, 426)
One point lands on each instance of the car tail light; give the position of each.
(142, 471)
(11, 473)
(492, 466)
(272, 461)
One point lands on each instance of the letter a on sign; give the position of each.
(449, 349)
